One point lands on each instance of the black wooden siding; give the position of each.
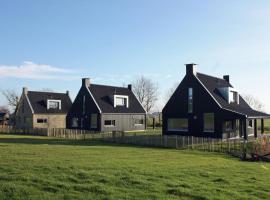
(177, 107)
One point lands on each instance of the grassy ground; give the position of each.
(43, 168)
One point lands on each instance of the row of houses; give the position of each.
(202, 105)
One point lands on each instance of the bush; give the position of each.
(261, 146)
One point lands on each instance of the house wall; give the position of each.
(82, 108)
(177, 107)
(53, 121)
(123, 122)
(23, 116)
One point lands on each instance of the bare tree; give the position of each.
(12, 98)
(170, 92)
(146, 91)
(254, 102)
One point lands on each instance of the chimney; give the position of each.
(25, 90)
(191, 69)
(67, 92)
(227, 78)
(130, 87)
(86, 82)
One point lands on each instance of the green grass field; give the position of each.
(48, 168)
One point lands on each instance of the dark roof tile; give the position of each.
(212, 84)
(38, 102)
(102, 93)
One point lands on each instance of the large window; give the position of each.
(177, 124)
(94, 120)
(209, 122)
(54, 104)
(109, 123)
(138, 122)
(190, 100)
(74, 122)
(41, 121)
(228, 125)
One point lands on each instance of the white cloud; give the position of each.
(31, 70)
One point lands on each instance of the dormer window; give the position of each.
(54, 104)
(233, 97)
(120, 100)
(230, 94)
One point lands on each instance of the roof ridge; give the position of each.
(211, 76)
(48, 92)
(108, 86)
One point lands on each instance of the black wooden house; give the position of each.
(207, 106)
(105, 108)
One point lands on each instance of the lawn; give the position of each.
(48, 168)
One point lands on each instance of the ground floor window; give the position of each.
(94, 121)
(228, 125)
(41, 121)
(74, 122)
(109, 123)
(209, 122)
(138, 122)
(177, 124)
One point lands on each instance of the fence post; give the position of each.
(244, 155)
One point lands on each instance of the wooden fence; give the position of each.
(233, 146)
(236, 146)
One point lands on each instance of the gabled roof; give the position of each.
(102, 94)
(38, 101)
(212, 84)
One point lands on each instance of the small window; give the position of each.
(93, 120)
(138, 122)
(228, 126)
(54, 104)
(74, 122)
(250, 123)
(209, 122)
(177, 124)
(41, 121)
(190, 100)
(109, 123)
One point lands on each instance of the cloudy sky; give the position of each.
(53, 44)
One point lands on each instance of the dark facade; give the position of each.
(4, 119)
(106, 108)
(206, 106)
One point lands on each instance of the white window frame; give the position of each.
(53, 100)
(178, 129)
(120, 96)
(112, 125)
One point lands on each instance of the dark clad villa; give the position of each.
(206, 106)
(106, 108)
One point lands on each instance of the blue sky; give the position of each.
(53, 44)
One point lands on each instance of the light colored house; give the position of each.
(42, 109)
